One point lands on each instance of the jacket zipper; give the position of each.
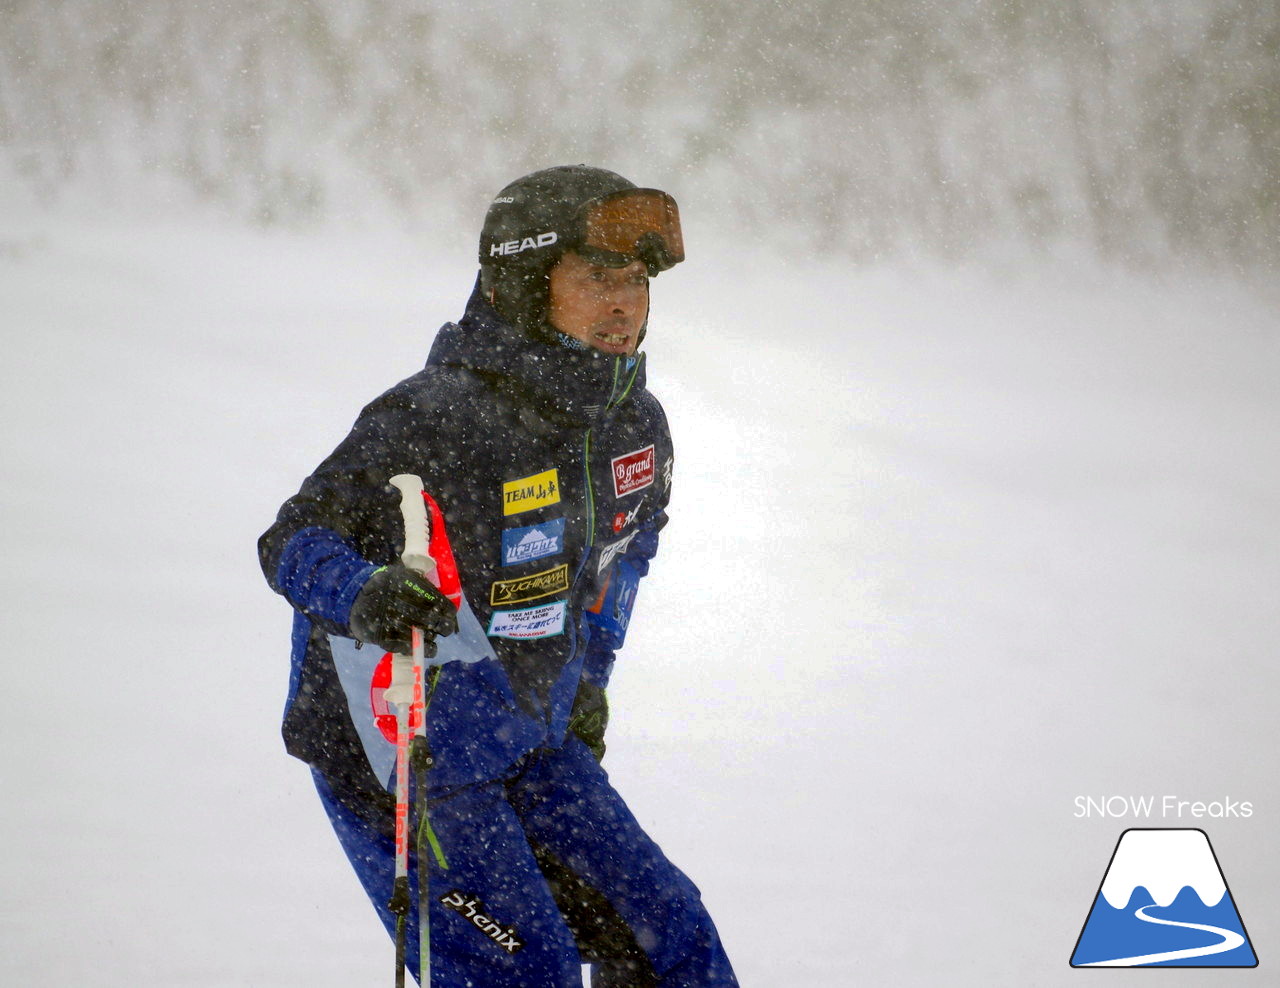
(591, 494)
(586, 469)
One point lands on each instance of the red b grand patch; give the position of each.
(632, 471)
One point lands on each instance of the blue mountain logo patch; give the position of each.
(1163, 902)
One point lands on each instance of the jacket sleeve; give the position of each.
(610, 616)
(343, 522)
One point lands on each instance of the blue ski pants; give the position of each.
(539, 864)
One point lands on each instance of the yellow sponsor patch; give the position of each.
(522, 588)
(528, 493)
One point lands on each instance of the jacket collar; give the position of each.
(563, 384)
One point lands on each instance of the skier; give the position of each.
(551, 464)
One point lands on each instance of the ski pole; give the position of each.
(405, 695)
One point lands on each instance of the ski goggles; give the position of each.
(618, 228)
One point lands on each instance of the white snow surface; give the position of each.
(1163, 862)
(948, 548)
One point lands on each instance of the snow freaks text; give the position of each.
(1161, 807)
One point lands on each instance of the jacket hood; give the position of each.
(563, 384)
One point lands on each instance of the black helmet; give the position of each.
(598, 213)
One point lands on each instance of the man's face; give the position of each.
(603, 307)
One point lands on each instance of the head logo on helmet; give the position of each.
(533, 221)
(528, 243)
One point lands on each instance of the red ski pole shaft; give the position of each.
(405, 693)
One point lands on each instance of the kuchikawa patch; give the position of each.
(542, 621)
(520, 589)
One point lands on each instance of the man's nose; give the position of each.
(627, 299)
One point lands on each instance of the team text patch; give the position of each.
(521, 545)
(542, 621)
(472, 909)
(632, 471)
(519, 589)
(528, 493)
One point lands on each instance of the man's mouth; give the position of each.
(613, 339)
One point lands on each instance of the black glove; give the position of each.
(590, 716)
(395, 599)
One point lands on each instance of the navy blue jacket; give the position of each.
(552, 467)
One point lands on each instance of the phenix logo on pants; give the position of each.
(471, 908)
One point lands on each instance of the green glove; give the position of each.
(590, 716)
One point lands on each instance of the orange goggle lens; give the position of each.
(635, 223)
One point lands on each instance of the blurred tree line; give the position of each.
(1145, 128)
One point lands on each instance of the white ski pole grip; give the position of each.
(405, 678)
(413, 509)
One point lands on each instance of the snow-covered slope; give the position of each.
(947, 550)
